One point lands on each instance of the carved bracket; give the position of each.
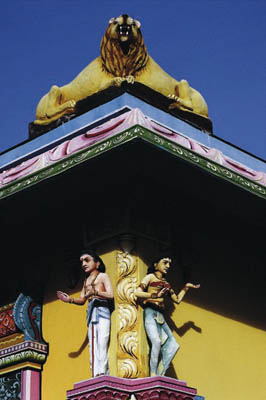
(27, 316)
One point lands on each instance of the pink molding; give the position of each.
(31, 384)
(114, 126)
(152, 388)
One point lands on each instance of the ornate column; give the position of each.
(128, 360)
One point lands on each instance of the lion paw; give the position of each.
(56, 110)
(118, 81)
(130, 79)
(174, 97)
(70, 104)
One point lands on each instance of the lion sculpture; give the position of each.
(123, 57)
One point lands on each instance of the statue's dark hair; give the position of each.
(151, 268)
(90, 252)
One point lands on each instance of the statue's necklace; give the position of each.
(159, 277)
(93, 280)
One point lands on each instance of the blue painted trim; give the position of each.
(50, 139)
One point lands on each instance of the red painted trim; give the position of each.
(92, 349)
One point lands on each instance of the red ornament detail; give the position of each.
(7, 323)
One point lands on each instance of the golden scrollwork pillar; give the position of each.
(129, 330)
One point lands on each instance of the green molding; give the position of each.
(136, 131)
(18, 358)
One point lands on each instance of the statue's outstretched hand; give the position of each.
(191, 285)
(63, 296)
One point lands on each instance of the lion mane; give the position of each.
(123, 57)
(116, 63)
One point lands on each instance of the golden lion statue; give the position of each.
(123, 57)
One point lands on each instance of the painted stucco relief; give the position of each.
(128, 317)
(120, 124)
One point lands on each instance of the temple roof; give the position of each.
(132, 141)
(115, 123)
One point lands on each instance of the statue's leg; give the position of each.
(53, 101)
(91, 337)
(102, 335)
(168, 350)
(55, 107)
(182, 96)
(155, 341)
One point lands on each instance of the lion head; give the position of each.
(123, 51)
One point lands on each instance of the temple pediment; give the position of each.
(129, 125)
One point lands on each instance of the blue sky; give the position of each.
(218, 46)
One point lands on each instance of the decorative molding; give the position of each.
(128, 316)
(27, 351)
(40, 347)
(114, 388)
(28, 355)
(11, 340)
(126, 290)
(129, 343)
(201, 159)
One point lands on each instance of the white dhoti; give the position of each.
(98, 320)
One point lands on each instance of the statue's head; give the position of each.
(123, 51)
(162, 264)
(88, 254)
(125, 30)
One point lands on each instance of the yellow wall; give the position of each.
(221, 357)
(225, 361)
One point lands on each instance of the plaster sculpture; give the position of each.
(228, 167)
(128, 359)
(123, 57)
(153, 289)
(97, 289)
(27, 316)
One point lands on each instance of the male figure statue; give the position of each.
(153, 289)
(97, 289)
